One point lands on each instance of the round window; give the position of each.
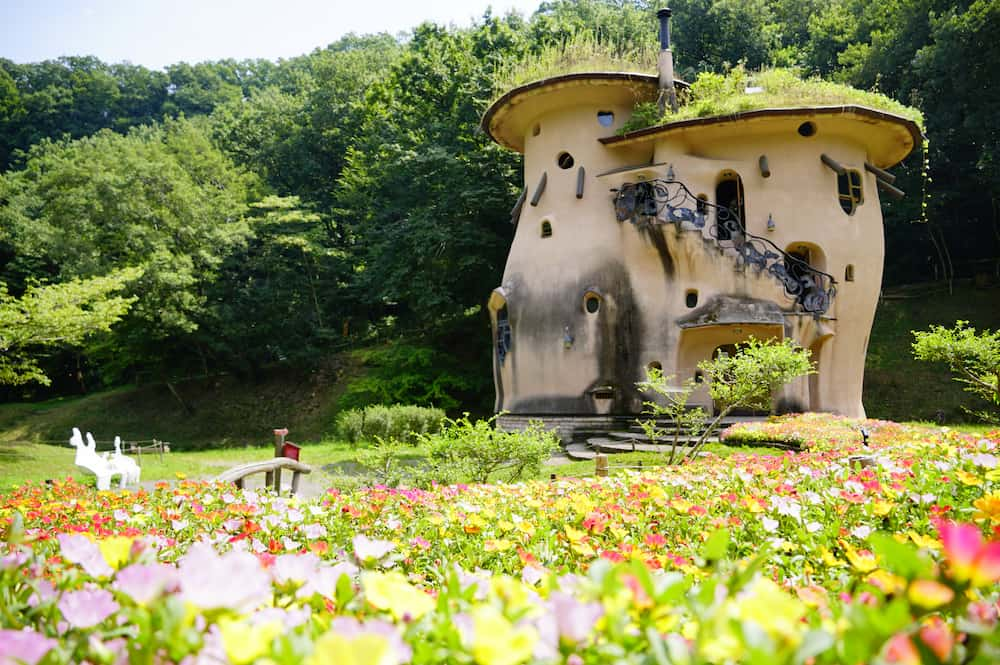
(592, 303)
(807, 129)
(565, 160)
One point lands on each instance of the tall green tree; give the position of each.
(161, 198)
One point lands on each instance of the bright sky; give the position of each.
(156, 33)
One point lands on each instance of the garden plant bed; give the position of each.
(782, 558)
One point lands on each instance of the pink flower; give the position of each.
(900, 649)
(970, 558)
(574, 620)
(294, 567)
(87, 608)
(235, 579)
(23, 646)
(84, 552)
(144, 582)
(367, 549)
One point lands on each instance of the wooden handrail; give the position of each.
(272, 470)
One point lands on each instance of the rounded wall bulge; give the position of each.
(566, 286)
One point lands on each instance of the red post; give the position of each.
(279, 441)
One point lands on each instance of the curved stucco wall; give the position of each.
(564, 360)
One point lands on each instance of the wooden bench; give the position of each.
(272, 473)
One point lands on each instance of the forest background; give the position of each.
(239, 214)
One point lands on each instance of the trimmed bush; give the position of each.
(399, 422)
(463, 449)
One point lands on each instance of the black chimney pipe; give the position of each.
(664, 16)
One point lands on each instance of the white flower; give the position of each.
(769, 525)
(861, 532)
(813, 527)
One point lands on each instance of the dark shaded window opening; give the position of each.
(536, 130)
(605, 118)
(691, 299)
(592, 303)
(655, 365)
(731, 214)
(546, 230)
(807, 129)
(604, 393)
(702, 205)
(849, 191)
(565, 160)
(503, 334)
(849, 273)
(797, 263)
(699, 377)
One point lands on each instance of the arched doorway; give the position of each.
(731, 211)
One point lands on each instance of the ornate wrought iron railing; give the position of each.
(667, 201)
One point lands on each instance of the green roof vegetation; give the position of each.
(739, 90)
(580, 53)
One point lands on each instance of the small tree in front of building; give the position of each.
(747, 379)
(973, 356)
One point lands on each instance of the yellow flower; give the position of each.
(243, 642)
(863, 562)
(391, 591)
(882, 508)
(180, 475)
(967, 478)
(501, 545)
(583, 549)
(511, 591)
(364, 649)
(777, 612)
(988, 507)
(829, 560)
(925, 542)
(573, 534)
(886, 581)
(929, 594)
(496, 641)
(115, 550)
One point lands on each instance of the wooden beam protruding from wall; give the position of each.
(833, 164)
(765, 169)
(581, 175)
(881, 174)
(515, 212)
(894, 192)
(537, 196)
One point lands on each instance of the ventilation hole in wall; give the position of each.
(656, 364)
(604, 393)
(807, 129)
(849, 273)
(546, 229)
(605, 118)
(691, 299)
(699, 377)
(592, 303)
(702, 205)
(565, 160)
(536, 130)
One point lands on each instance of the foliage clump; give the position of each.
(747, 379)
(974, 356)
(466, 450)
(739, 90)
(399, 423)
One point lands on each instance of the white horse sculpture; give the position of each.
(104, 467)
(125, 465)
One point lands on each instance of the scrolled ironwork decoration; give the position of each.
(668, 201)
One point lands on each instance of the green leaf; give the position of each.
(717, 545)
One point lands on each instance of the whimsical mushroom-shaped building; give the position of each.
(663, 246)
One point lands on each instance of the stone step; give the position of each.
(580, 451)
(613, 446)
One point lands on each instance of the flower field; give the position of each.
(808, 557)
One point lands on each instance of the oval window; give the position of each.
(592, 303)
(807, 129)
(605, 118)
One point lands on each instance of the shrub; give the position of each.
(476, 450)
(398, 422)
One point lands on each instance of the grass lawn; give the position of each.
(22, 462)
